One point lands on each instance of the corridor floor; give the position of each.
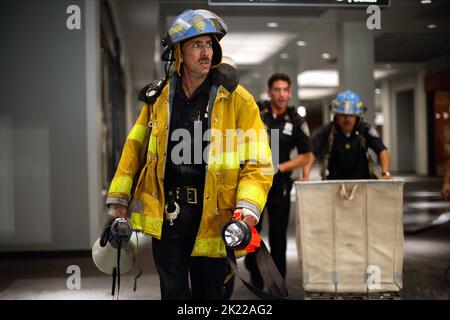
(427, 255)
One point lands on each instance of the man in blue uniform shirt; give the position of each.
(342, 145)
(293, 133)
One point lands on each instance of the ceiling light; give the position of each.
(318, 78)
(284, 56)
(431, 26)
(379, 74)
(272, 24)
(377, 91)
(315, 93)
(326, 55)
(255, 50)
(301, 43)
(425, 1)
(327, 78)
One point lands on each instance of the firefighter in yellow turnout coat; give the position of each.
(237, 163)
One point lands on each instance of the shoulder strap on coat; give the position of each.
(226, 76)
(152, 91)
(328, 150)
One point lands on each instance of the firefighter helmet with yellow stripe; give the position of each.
(348, 102)
(191, 24)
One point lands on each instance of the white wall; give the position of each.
(49, 98)
(94, 122)
(385, 109)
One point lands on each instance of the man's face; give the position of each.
(346, 122)
(279, 94)
(196, 55)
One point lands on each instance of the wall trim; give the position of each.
(93, 103)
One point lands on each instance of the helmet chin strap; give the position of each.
(168, 65)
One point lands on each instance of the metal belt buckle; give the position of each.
(191, 195)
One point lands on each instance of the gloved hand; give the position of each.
(255, 241)
(247, 216)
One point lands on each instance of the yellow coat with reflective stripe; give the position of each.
(239, 170)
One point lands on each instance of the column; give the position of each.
(289, 66)
(356, 62)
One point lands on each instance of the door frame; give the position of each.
(397, 86)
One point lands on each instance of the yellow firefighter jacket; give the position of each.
(239, 164)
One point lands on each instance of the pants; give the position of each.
(277, 207)
(175, 266)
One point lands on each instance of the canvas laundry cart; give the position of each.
(350, 235)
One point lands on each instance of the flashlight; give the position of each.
(236, 234)
(121, 231)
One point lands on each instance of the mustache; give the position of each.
(204, 60)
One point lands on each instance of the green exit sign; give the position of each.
(328, 3)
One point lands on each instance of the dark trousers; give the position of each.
(172, 256)
(277, 210)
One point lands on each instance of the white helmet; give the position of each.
(105, 258)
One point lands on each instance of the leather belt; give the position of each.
(185, 194)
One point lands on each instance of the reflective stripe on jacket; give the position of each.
(239, 170)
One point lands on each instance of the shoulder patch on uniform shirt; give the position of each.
(305, 129)
(288, 128)
(373, 132)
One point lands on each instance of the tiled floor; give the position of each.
(427, 254)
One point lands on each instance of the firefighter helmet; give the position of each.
(191, 24)
(348, 102)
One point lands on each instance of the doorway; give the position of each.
(406, 144)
